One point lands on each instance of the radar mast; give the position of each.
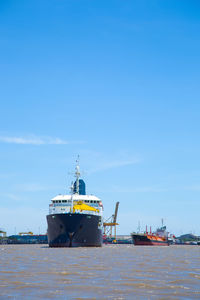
(77, 175)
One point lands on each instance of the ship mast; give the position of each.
(72, 202)
(77, 175)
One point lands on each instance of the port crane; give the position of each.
(111, 222)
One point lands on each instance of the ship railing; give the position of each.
(69, 204)
(53, 210)
(89, 212)
(59, 204)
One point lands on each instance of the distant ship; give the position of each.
(112, 240)
(159, 238)
(75, 220)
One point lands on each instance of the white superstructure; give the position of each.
(76, 203)
(63, 204)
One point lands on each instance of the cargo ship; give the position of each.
(159, 238)
(75, 220)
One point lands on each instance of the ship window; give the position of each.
(95, 201)
(59, 201)
(91, 201)
(56, 201)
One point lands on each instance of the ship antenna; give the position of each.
(72, 202)
(138, 226)
(72, 188)
(77, 175)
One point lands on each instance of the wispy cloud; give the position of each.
(12, 196)
(131, 189)
(113, 164)
(195, 187)
(5, 176)
(35, 140)
(152, 189)
(34, 187)
(142, 189)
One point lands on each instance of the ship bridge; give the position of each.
(68, 203)
(78, 201)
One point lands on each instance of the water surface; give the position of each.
(110, 272)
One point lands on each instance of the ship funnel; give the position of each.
(82, 187)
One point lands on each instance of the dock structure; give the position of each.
(110, 223)
(2, 233)
(24, 239)
(120, 239)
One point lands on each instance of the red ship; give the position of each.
(159, 238)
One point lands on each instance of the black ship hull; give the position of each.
(74, 230)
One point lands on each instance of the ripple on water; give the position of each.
(110, 272)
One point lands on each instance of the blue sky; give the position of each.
(116, 82)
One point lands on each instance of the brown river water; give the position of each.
(110, 272)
